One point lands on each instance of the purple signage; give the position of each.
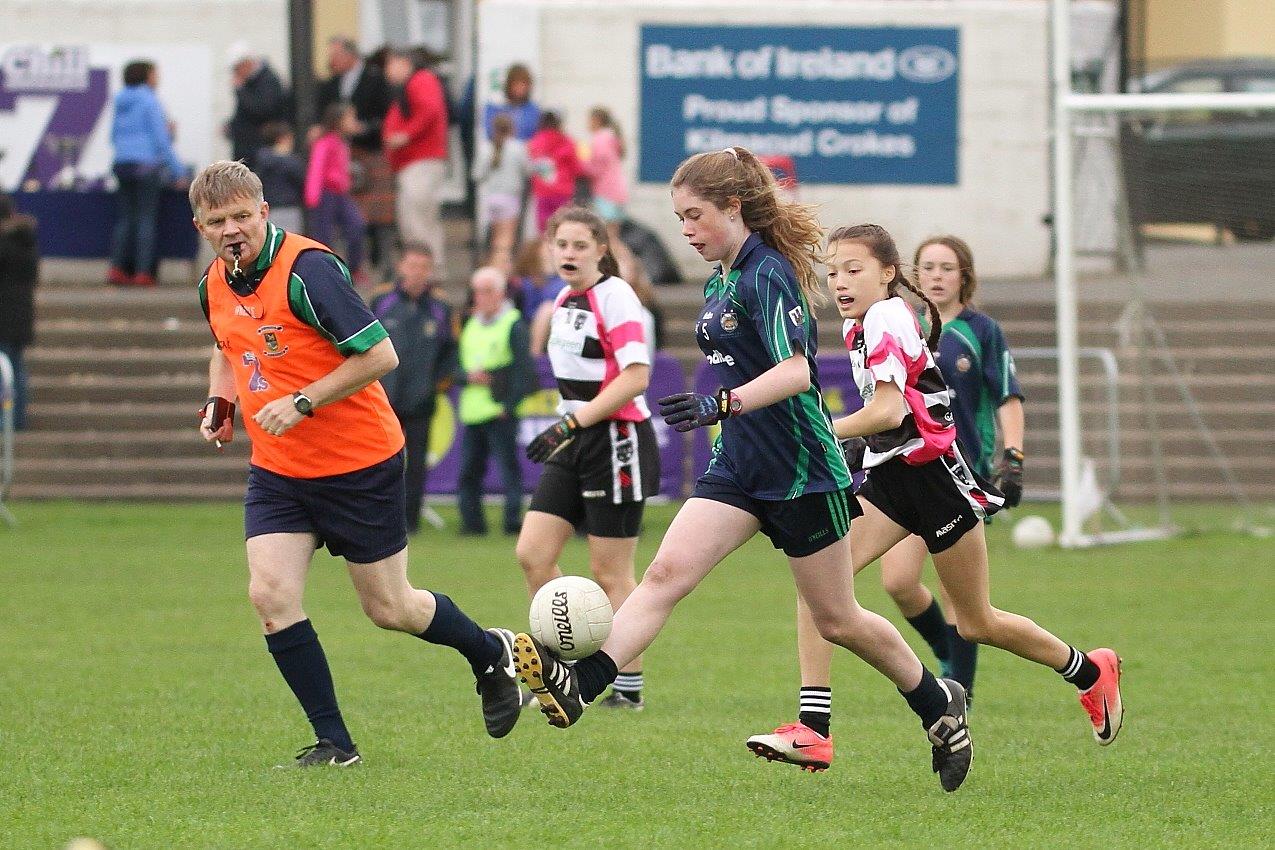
(538, 413)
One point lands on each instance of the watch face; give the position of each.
(302, 404)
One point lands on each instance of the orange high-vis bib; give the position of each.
(273, 354)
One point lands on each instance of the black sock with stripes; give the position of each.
(927, 699)
(1079, 670)
(930, 625)
(815, 708)
(629, 686)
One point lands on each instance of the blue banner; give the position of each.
(847, 104)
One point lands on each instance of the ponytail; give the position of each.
(936, 320)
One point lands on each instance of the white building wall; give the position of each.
(586, 53)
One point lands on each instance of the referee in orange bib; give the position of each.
(300, 353)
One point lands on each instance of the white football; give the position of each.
(1033, 532)
(571, 616)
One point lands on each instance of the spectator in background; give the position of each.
(496, 372)
(282, 175)
(415, 138)
(555, 165)
(605, 168)
(259, 99)
(362, 82)
(420, 326)
(327, 187)
(19, 272)
(634, 273)
(144, 163)
(501, 174)
(537, 285)
(518, 105)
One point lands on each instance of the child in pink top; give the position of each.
(327, 185)
(610, 186)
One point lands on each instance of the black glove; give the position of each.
(687, 411)
(852, 449)
(553, 438)
(1009, 477)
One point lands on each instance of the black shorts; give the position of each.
(359, 516)
(601, 480)
(800, 526)
(938, 501)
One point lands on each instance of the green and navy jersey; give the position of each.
(979, 370)
(755, 317)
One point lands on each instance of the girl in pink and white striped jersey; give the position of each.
(918, 483)
(601, 458)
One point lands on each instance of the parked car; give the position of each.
(1205, 165)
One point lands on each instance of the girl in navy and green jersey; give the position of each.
(776, 468)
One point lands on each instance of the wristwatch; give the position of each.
(302, 403)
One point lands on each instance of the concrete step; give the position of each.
(124, 332)
(210, 470)
(120, 362)
(136, 491)
(88, 416)
(48, 388)
(138, 445)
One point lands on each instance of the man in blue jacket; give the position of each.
(421, 328)
(144, 163)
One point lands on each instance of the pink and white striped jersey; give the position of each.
(887, 347)
(594, 335)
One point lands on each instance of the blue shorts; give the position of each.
(359, 516)
(800, 526)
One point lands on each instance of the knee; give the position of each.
(535, 561)
(385, 614)
(902, 589)
(269, 598)
(842, 629)
(613, 579)
(977, 628)
(666, 578)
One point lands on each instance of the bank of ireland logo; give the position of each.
(926, 63)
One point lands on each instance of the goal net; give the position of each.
(1164, 223)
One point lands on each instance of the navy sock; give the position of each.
(300, 657)
(1079, 670)
(452, 627)
(815, 705)
(962, 658)
(594, 674)
(927, 699)
(931, 626)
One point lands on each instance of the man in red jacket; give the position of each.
(415, 136)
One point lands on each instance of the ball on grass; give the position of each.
(1033, 532)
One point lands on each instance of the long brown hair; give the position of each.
(964, 258)
(608, 265)
(790, 228)
(881, 245)
(604, 118)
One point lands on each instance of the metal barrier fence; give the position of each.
(1106, 359)
(8, 389)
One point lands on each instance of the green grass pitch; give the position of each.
(138, 705)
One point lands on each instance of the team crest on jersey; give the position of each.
(270, 337)
(797, 315)
(730, 323)
(579, 320)
(963, 364)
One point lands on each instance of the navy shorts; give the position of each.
(359, 516)
(800, 526)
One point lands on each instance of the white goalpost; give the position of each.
(1077, 496)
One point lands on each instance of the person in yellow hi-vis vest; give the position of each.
(495, 374)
